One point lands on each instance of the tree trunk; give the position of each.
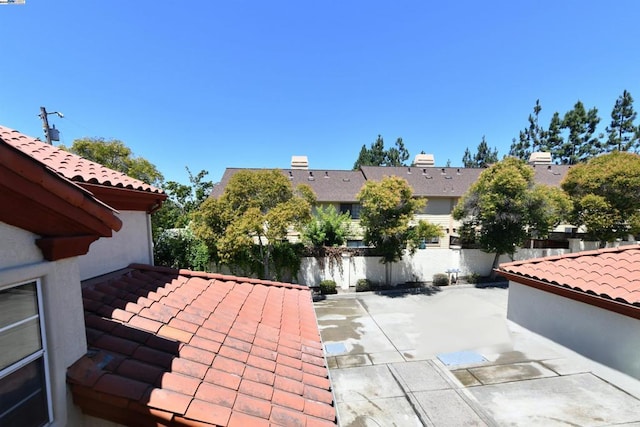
(387, 273)
(494, 266)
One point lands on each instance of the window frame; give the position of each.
(42, 353)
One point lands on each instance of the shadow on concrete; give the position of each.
(403, 292)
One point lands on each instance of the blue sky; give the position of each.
(207, 84)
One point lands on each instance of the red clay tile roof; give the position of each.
(67, 217)
(186, 348)
(72, 166)
(612, 274)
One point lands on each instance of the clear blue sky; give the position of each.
(210, 84)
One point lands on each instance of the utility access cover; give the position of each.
(461, 358)
(335, 348)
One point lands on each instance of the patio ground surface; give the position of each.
(451, 358)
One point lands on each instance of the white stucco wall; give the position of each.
(601, 335)
(420, 267)
(21, 260)
(132, 244)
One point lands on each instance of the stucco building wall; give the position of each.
(132, 244)
(20, 261)
(602, 335)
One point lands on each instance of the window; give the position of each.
(23, 365)
(429, 242)
(352, 208)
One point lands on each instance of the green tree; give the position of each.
(115, 155)
(174, 243)
(531, 139)
(179, 248)
(582, 142)
(605, 195)
(554, 141)
(328, 227)
(245, 227)
(387, 210)
(397, 155)
(623, 133)
(182, 201)
(504, 205)
(377, 155)
(483, 158)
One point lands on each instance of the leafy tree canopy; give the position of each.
(605, 195)
(387, 208)
(174, 243)
(115, 155)
(377, 155)
(328, 227)
(504, 205)
(257, 209)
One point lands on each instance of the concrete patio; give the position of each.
(451, 358)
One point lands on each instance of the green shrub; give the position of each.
(440, 279)
(474, 278)
(328, 287)
(363, 285)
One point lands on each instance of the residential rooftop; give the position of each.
(192, 348)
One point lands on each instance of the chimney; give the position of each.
(540, 158)
(424, 160)
(299, 162)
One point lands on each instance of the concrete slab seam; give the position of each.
(417, 408)
(462, 391)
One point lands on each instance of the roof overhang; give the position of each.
(126, 199)
(37, 199)
(624, 309)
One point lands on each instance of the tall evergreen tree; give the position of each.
(531, 139)
(376, 155)
(483, 158)
(582, 143)
(398, 155)
(467, 160)
(521, 147)
(554, 141)
(623, 133)
(535, 133)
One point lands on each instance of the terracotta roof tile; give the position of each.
(238, 419)
(206, 412)
(612, 273)
(72, 166)
(202, 349)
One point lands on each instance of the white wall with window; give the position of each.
(41, 331)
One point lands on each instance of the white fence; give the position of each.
(420, 267)
(424, 264)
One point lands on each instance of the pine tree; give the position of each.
(554, 141)
(623, 134)
(483, 158)
(582, 144)
(467, 160)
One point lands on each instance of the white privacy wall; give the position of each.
(420, 267)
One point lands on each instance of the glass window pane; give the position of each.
(19, 342)
(18, 303)
(24, 401)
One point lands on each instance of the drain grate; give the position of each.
(335, 348)
(461, 358)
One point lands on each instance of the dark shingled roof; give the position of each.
(329, 185)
